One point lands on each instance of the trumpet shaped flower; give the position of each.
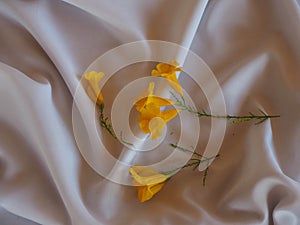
(147, 181)
(93, 78)
(168, 71)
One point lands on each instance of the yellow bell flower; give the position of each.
(168, 71)
(92, 89)
(147, 181)
(151, 119)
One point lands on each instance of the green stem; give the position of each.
(193, 162)
(186, 150)
(205, 176)
(235, 119)
(107, 125)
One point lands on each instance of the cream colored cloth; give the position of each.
(251, 46)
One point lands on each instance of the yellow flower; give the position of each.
(168, 71)
(151, 119)
(147, 181)
(92, 89)
(148, 97)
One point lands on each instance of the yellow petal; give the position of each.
(170, 67)
(168, 70)
(160, 101)
(169, 114)
(94, 78)
(143, 99)
(155, 188)
(177, 87)
(173, 81)
(144, 116)
(93, 90)
(174, 63)
(91, 93)
(150, 88)
(140, 103)
(149, 180)
(155, 73)
(156, 125)
(164, 67)
(144, 125)
(145, 193)
(146, 176)
(151, 110)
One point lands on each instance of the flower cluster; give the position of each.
(152, 119)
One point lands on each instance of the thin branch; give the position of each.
(234, 119)
(107, 125)
(105, 122)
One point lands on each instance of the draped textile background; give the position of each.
(251, 46)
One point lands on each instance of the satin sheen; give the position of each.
(251, 46)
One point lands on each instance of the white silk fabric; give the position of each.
(251, 46)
